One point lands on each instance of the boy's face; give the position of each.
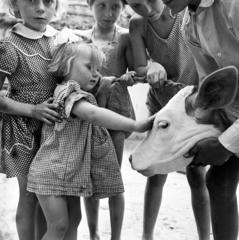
(151, 9)
(84, 71)
(176, 5)
(36, 14)
(106, 12)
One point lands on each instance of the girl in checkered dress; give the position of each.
(77, 156)
(114, 42)
(25, 54)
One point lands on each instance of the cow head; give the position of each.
(192, 114)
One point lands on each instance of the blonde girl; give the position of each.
(114, 42)
(77, 157)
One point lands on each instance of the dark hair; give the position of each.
(91, 2)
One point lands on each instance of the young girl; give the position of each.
(114, 42)
(77, 157)
(156, 32)
(24, 58)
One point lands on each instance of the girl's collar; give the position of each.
(26, 32)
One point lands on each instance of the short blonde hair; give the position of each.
(14, 12)
(64, 54)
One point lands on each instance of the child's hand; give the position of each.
(144, 125)
(128, 77)
(46, 112)
(131, 78)
(156, 73)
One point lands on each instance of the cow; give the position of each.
(194, 113)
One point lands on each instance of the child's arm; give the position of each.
(153, 71)
(138, 47)
(124, 59)
(45, 111)
(109, 119)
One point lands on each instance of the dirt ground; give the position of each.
(175, 221)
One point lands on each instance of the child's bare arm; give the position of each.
(124, 59)
(153, 71)
(136, 28)
(44, 112)
(109, 119)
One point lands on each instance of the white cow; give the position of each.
(192, 114)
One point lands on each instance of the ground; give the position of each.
(175, 221)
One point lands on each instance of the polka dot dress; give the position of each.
(25, 62)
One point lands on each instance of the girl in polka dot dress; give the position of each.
(77, 156)
(24, 57)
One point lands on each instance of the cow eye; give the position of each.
(163, 124)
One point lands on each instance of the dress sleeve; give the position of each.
(8, 58)
(74, 94)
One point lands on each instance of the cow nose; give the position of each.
(130, 159)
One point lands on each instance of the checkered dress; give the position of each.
(25, 63)
(76, 158)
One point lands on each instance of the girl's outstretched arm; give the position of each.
(109, 119)
(45, 111)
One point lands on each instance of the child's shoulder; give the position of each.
(10, 38)
(68, 93)
(123, 33)
(9, 46)
(137, 18)
(136, 22)
(71, 87)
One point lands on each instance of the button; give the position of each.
(219, 54)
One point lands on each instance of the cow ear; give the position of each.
(218, 89)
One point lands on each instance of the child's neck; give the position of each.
(42, 30)
(104, 34)
(163, 26)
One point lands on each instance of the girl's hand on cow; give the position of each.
(209, 151)
(47, 112)
(144, 125)
(156, 74)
